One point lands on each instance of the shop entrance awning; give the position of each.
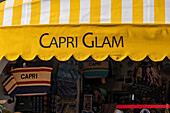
(83, 28)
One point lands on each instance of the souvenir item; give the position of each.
(149, 77)
(166, 111)
(117, 111)
(67, 90)
(87, 102)
(34, 104)
(103, 93)
(94, 69)
(23, 104)
(144, 111)
(10, 85)
(1, 106)
(3, 101)
(28, 81)
(139, 74)
(68, 72)
(156, 77)
(68, 106)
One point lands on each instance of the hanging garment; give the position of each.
(10, 85)
(94, 69)
(68, 72)
(67, 90)
(28, 81)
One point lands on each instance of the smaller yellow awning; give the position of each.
(83, 28)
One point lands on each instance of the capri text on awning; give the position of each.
(72, 42)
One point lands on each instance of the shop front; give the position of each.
(85, 56)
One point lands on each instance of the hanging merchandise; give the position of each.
(23, 104)
(118, 111)
(3, 102)
(155, 77)
(67, 90)
(68, 106)
(94, 69)
(67, 76)
(103, 93)
(1, 105)
(99, 98)
(87, 105)
(144, 111)
(67, 86)
(148, 87)
(146, 73)
(68, 71)
(3, 108)
(28, 81)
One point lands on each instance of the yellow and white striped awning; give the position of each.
(118, 28)
(23, 12)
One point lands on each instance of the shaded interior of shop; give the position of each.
(88, 86)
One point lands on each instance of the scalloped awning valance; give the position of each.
(83, 28)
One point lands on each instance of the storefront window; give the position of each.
(89, 86)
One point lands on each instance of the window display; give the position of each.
(52, 87)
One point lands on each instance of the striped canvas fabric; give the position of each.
(31, 12)
(94, 69)
(28, 81)
(35, 27)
